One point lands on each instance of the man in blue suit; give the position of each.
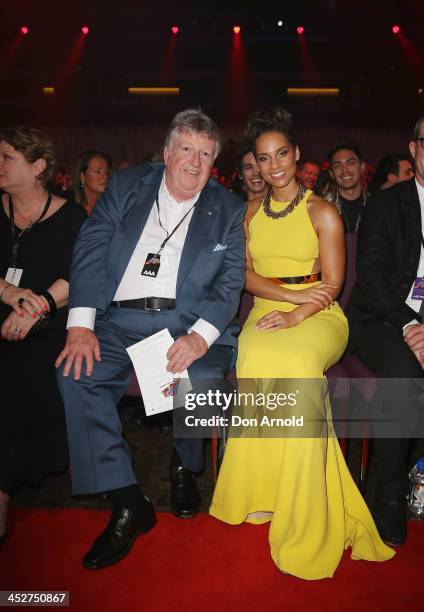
(186, 232)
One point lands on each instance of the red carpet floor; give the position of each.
(198, 564)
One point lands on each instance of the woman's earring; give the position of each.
(82, 185)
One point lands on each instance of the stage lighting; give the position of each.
(175, 29)
(396, 29)
(306, 92)
(280, 23)
(236, 29)
(24, 30)
(300, 29)
(85, 30)
(154, 91)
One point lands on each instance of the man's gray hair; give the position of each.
(194, 121)
(417, 128)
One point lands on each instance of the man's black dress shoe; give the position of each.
(391, 518)
(115, 542)
(184, 500)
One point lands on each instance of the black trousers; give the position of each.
(385, 352)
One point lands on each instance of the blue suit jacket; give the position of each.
(209, 282)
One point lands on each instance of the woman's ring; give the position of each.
(17, 330)
(21, 301)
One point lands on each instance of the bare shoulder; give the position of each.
(252, 208)
(321, 210)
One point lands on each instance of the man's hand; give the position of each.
(414, 337)
(184, 351)
(81, 344)
(16, 326)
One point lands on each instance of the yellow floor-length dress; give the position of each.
(316, 509)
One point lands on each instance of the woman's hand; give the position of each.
(277, 320)
(318, 294)
(17, 327)
(25, 301)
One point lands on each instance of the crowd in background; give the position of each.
(87, 180)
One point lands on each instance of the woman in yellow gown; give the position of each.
(294, 331)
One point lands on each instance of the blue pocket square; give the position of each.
(219, 247)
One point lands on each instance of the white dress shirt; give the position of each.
(133, 285)
(416, 304)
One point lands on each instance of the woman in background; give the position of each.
(91, 176)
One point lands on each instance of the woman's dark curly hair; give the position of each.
(275, 119)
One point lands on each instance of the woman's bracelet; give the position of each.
(50, 300)
(41, 324)
(3, 291)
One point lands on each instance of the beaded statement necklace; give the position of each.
(288, 209)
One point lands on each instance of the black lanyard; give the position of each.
(17, 234)
(169, 235)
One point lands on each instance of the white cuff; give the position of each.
(413, 322)
(206, 330)
(81, 317)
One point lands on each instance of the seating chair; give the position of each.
(355, 368)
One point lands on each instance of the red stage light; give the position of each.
(236, 29)
(300, 29)
(85, 30)
(24, 30)
(175, 29)
(396, 29)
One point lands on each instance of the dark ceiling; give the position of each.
(347, 44)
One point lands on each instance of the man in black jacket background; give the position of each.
(387, 329)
